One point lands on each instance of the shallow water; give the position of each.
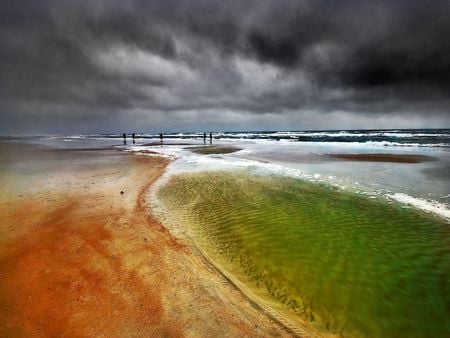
(345, 263)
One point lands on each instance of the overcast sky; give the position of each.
(176, 65)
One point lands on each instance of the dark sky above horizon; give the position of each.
(179, 65)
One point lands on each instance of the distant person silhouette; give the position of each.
(124, 138)
(210, 138)
(161, 137)
(204, 138)
(133, 139)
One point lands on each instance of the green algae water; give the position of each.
(342, 262)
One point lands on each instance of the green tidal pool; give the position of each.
(339, 261)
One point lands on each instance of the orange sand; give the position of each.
(79, 259)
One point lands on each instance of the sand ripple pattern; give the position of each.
(341, 262)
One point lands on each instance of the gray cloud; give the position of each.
(100, 66)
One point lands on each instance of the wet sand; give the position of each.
(79, 258)
(395, 158)
(213, 149)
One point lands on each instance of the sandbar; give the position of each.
(213, 149)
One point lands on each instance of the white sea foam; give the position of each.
(187, 161)
(75, 137)
(171, 153)
(380, 138)
(202, 163)
(382, 144)
(313, 134)
(430, 206)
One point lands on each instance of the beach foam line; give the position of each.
(378, 144)
(437, 208)
(429, 206)
(152, 152)
(186, 161)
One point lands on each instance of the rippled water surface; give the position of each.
(343, 262)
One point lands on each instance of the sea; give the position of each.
(439, 138)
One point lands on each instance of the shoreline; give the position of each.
(77, 257)
(221, 241)
(293, 324)
(74, 231)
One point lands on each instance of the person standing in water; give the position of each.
(133, 139)
(210, 138)
(204, 138)
(161, 137)
(124, 138)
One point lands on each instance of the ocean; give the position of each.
(394, 137)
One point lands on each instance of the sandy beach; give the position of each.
(81, 254)
(224, 169)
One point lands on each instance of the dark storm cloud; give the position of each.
(66, 65)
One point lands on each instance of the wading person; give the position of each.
(124, 138)
(133, 139)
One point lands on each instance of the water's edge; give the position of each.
(292, 325)
(175, 225)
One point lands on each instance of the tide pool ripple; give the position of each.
(344, 263)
